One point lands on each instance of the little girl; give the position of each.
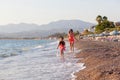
(61, 46)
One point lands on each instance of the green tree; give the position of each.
(103, 24)
(105, 18)
(99, 29)
(112, 25)
(99, 19)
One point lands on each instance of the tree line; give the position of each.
(103, 24)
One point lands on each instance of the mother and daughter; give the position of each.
(71, 39)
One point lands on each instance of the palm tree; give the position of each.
(105, 18)
(99, 19)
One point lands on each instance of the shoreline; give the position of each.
(102, 60)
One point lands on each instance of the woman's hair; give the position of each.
(71, 30)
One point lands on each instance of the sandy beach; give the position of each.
(102, 60)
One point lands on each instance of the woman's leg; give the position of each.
(73, 46)
(70, 46)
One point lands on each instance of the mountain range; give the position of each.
(33, 30)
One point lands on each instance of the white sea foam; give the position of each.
(37, 47)
(53, 43)
(81, 67)
(39, 65)
(73, 76)
(57, 54)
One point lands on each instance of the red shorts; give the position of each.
(71, 41)
(62, 48)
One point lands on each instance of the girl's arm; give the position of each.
(65, 44)
(57, 46)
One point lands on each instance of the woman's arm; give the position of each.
(75, 38)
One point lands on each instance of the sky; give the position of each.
(45, 11)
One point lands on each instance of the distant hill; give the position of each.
(34, 30)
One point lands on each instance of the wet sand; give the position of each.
(102, 60)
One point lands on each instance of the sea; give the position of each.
(36, 60)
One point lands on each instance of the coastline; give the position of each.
(102, 60)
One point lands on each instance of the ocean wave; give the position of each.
(81, 67)
(73, 76)
(4, 55)
(37, 47)
(53, 43)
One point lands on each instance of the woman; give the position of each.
(71, 38)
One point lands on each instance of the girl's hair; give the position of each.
(71, 30)
(61, 37)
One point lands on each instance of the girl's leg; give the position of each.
(61, 52)
(62, 55)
